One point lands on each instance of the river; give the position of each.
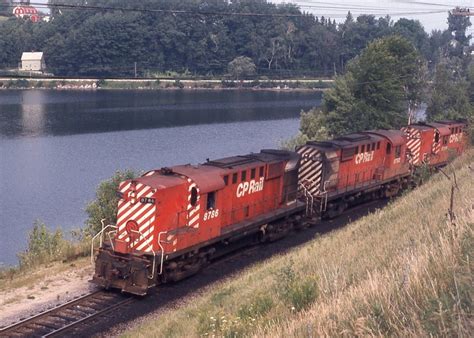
(57, 146)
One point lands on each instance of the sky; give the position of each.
(432, 14)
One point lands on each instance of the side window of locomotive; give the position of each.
(211, 200)
(252, 173)
(194, 196)
(436, 136)
(234, 178)
(261, 171)
(398, 151)
(357, 150)
(244, 176)
(362, 148)
(378, 145)
(389, 148)
(226, 179)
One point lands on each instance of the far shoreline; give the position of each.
(284, 85)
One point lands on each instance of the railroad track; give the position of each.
(68, 316)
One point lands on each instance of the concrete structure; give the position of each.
(33, 61)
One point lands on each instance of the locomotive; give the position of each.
(173, 221)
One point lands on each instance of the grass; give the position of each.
(405, 270)
(16, 278)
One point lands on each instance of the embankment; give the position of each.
(405, 270)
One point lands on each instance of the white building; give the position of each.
(33, 61)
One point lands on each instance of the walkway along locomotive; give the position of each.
(173, 221)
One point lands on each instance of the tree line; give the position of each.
(282, 41)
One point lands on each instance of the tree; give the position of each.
(451, 96)
(105, 203)
(381, 86)
(241, 66)
(458, 25)
(5, 7)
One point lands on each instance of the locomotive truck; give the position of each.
(173, 221)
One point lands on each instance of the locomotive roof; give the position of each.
(452, 122)
(442, 128)
(394, 136)
(420, 126)
(265, 156)
(346, 141)
(208, 176)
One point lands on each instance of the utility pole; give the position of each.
(135, 70)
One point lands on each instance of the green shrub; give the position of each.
(44, 246)
(105, 203)
(296, 290)
(259, 307)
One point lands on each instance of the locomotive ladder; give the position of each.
(313, 203)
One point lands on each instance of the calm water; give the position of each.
(56, 147)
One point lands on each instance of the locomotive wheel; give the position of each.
(335, 210)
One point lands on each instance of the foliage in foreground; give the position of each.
(401, 271)
(46, 246)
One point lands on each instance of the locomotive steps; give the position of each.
(403, 270)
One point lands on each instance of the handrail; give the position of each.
(154, 253)
(100, 233)
(162, 250)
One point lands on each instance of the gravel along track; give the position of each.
(67, 317)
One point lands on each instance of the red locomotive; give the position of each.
(433, 143)
(173, 221)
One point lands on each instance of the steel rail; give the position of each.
(48, 324)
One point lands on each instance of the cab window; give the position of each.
(194, 196)
(211, 200)
(398, 151)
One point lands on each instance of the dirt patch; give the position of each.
(46, 288)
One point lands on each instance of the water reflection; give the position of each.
(41, 112)
(32, 112)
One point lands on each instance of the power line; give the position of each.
(214, 13)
